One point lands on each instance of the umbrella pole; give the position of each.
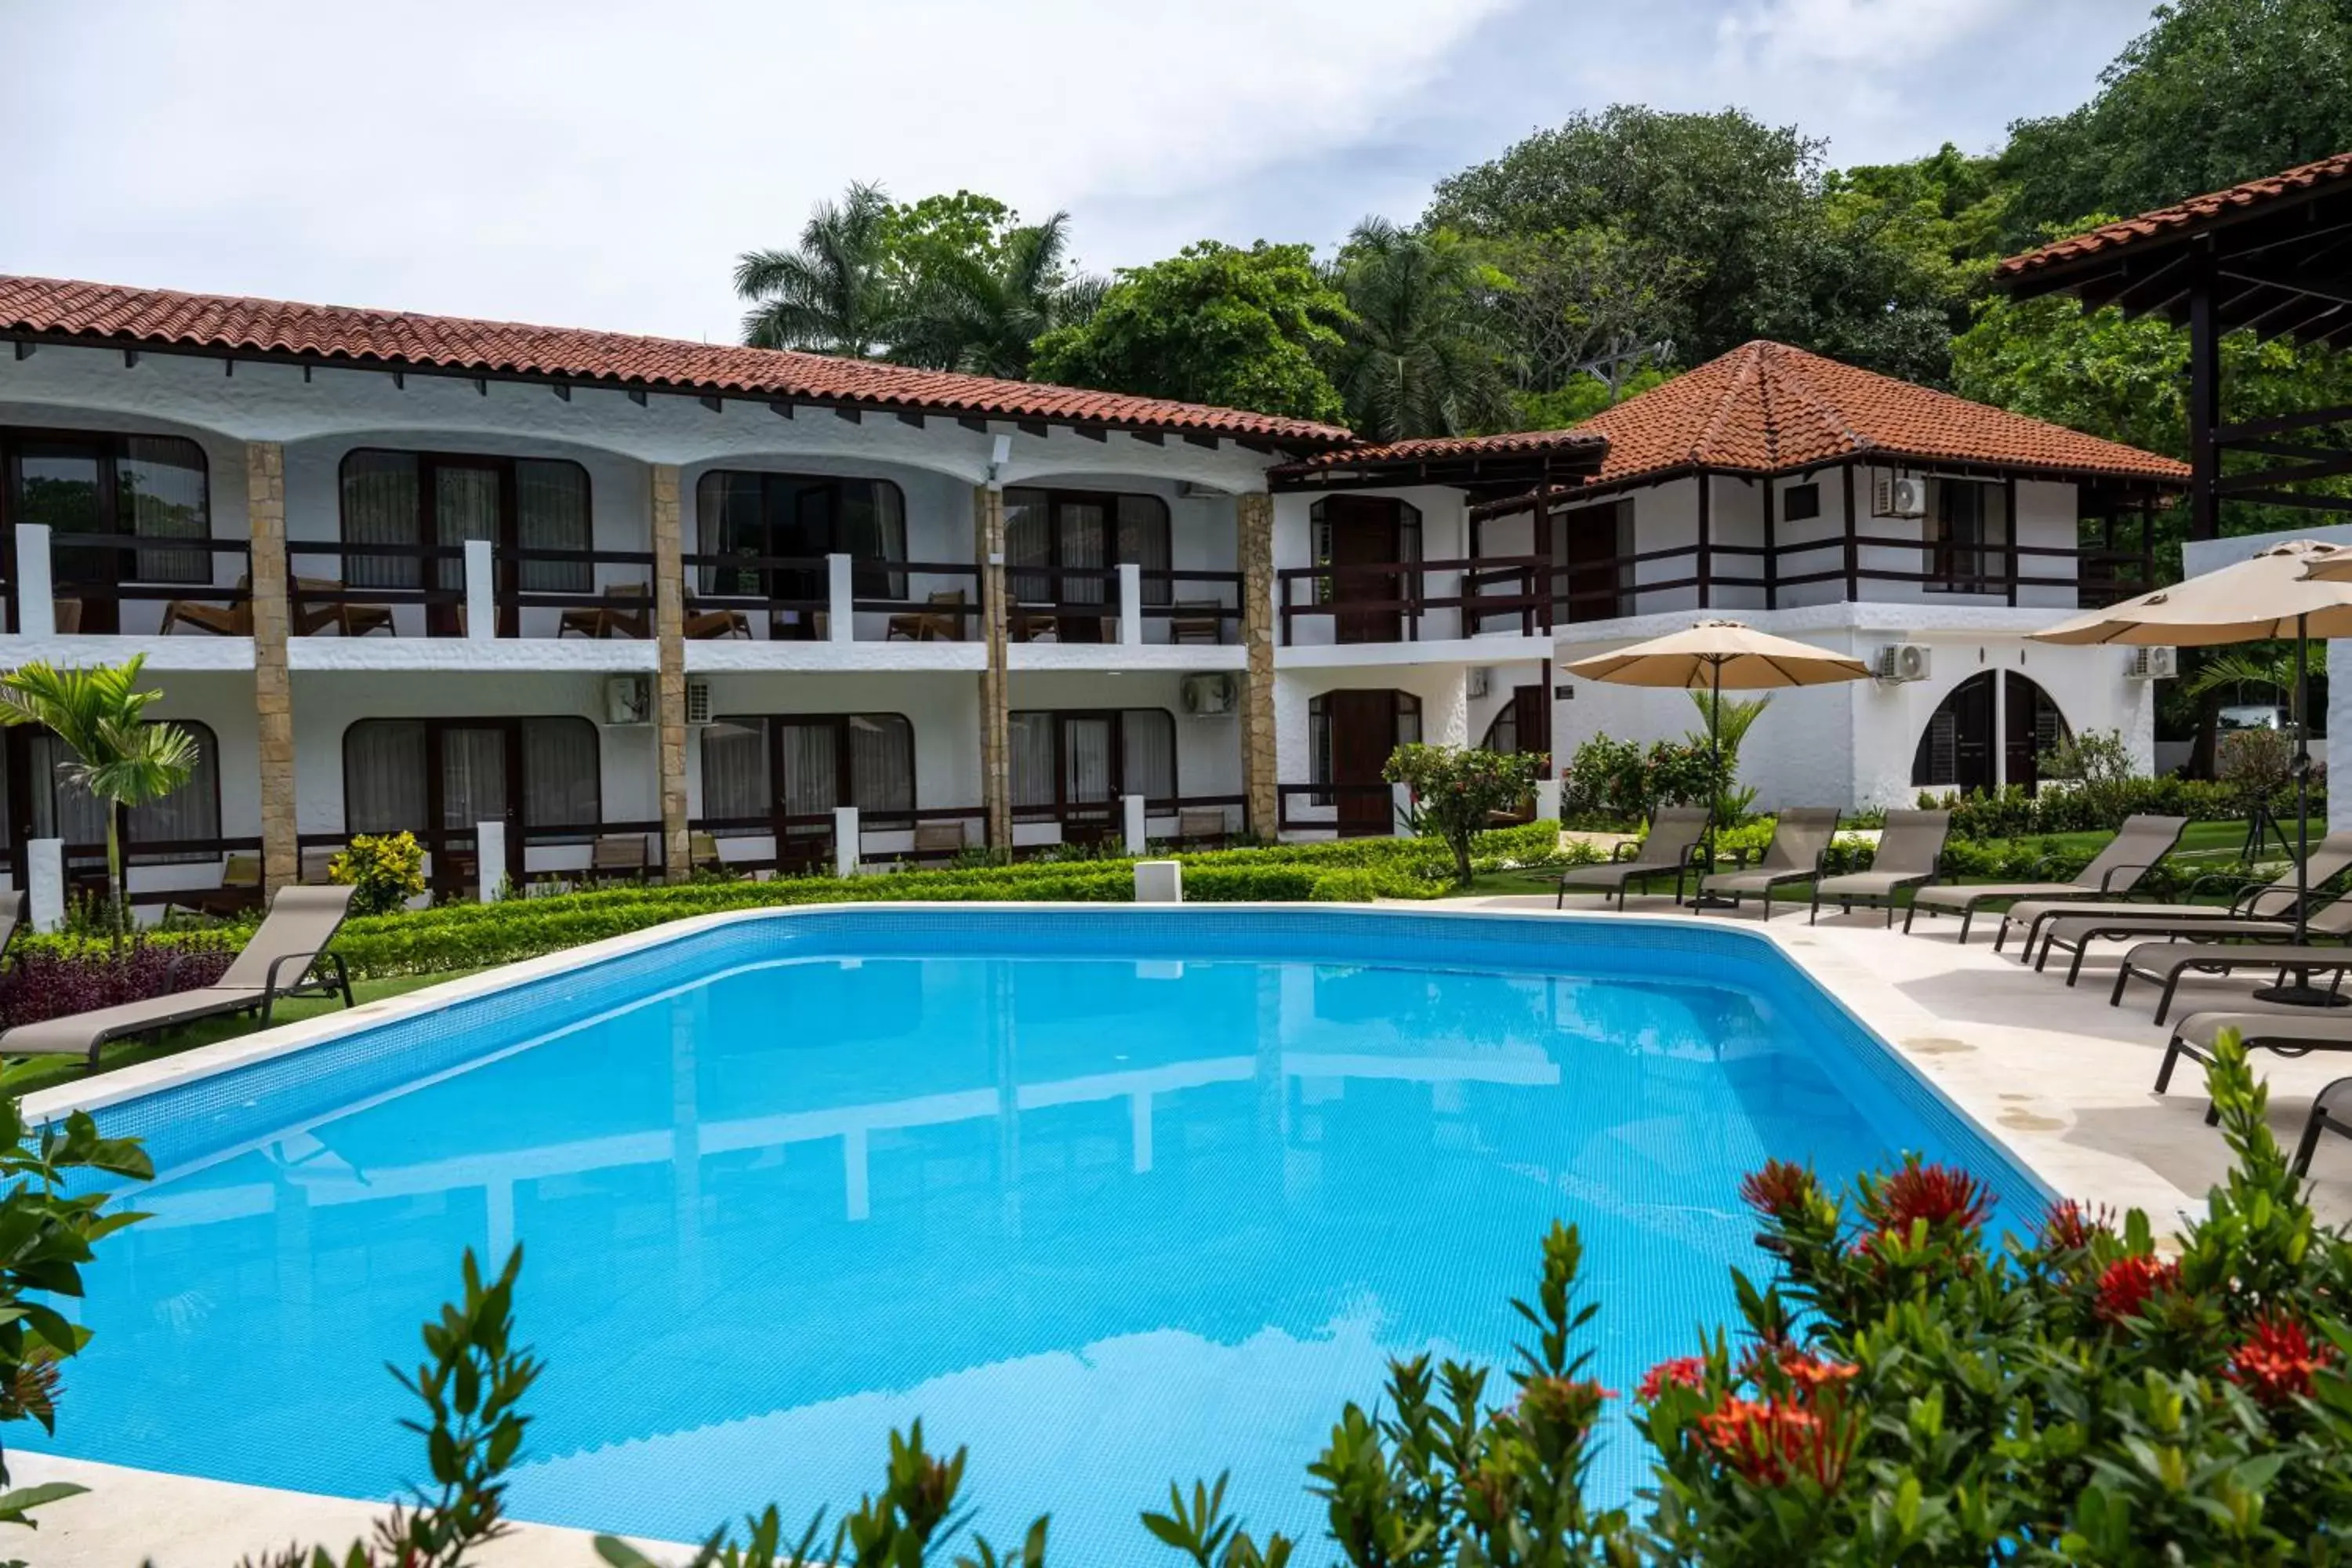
(1704, 900)
(2302, 992)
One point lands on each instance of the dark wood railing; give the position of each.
(1334, 591)
(1337, 798)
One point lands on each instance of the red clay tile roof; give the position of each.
(2182, 218)
(162, 319)
(1442, 448)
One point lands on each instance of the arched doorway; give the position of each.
(1957, 748)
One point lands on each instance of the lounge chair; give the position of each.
(230, 620)
(1197, 620)
(2137, 846)
(290, 954)
(2290, 1032)
(942, 623)
(1909, 849)
(624, 613)
(1672, 849)
(1800, 838)
(618, 857)
(239, 889)
(706, 626)
(2324, 1118)
(2330, 858)
(2168, 964)
(2074, 934)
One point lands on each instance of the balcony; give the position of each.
(1411, 601)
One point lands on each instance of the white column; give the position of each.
(845, 844)
(1130, 604)
(491, 858)
(1132, 805)
(1401, 804)
(841, 594)
(1547, 800)
(37, 604)
(45, 881)
(481, 592)
(1999, 731)
(1159, 882)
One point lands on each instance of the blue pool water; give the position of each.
(1112, 1196)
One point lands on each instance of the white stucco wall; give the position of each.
(1445, 536)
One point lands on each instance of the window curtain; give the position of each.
(64, 810)
(383, 776)
(1087, 760)
(729, 521)
(881, 762)
(1148, 752)
(562, 782)
(1028, 541)
(159, 494)
(873, 529)
(1143, 541)
(381, 507)
(473, 778)
(552, 513)
(1084, 528)
(1032, 743)
(1408, 711)
(189, 812)
(735, 771)
(465, 507)
(811, 783)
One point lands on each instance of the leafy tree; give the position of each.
(1580, 399)
(1417, 358)
(119, 758)
(1457, 790)
(1580, 306)
(1247, 329)
(833, 294)
(2215, 92)
(979, 306)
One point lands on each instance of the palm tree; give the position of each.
(1417, 359)
(980, 313)
(119, 758)
(831, 295)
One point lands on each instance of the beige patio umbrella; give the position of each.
(2302, 589)
(1717, 656)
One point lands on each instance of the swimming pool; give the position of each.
(1112, 1195)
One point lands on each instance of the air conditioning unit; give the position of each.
(1209, 696)
(698, 702)
(1906, 497)
(628, 700)
(2154, 663)
(1902, 661)
(1479, 681)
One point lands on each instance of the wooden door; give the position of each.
(1090, 782)
(1973, 737)
(1365, 537)
(1589, 566)
(1531, 718)
(476, 776)
(2022, 730)
(1363, 735)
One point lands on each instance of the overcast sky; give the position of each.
(579, 163)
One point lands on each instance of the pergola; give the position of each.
(2273, 257)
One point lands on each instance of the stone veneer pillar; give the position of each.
(669, 684)
(273, 688)
(1253, 521)
(995, 698)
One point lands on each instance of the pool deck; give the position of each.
(2056, 1076)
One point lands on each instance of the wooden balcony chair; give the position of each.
(618, 857)
(704, 626)
(1206, 825)
(931, 626)
(1036, 626)
(239, 889)
(625, 613)
(940, 838)
(230, 620)
(316, 868)
(702, 853)
(1197, 620)
(352, 620)
(67, 613)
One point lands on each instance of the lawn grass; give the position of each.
(27, 1074)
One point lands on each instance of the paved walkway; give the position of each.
(2055, 1073)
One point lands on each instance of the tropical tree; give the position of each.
(121, 759)
(980, 307)
(1417, 358)
(831, 294)
(1244, 328)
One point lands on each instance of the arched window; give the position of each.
(189, 814)
(759, 767)
(1957, 747)
(800, 517)
(422, 499)
(115, 487)
(1092, 757)
(396, 770)
(1049, 531)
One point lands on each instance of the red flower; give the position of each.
(1771, 1441)
(1936, 1194)
(2071, 1226)
(1688, 1371)
(2128, 1283)
(2277, 1359)
(1811, 1374)
(1779, 1190)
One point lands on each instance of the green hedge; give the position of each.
(473, 936)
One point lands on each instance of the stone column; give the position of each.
(995, 698)
(273, 688)
(670, 685)
(1253, 520)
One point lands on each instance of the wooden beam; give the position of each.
(781, 408)
(637, 395)
(1149, 437)
(1037, 428)
(1194, 438)
(2204, 407)
(855, 416)
(973, 422)
(26, 351)
(562, 390)
(130, 359)
(2282, 423)
(2300, 473)
(1091, 432)
(2290, 498)
(400, 380)
(909, 416)
(708, 401)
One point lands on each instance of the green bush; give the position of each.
(383, 871)
(2015, 812)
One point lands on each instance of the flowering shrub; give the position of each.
(1457, 790)
(1620, 781)
(386, 869)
